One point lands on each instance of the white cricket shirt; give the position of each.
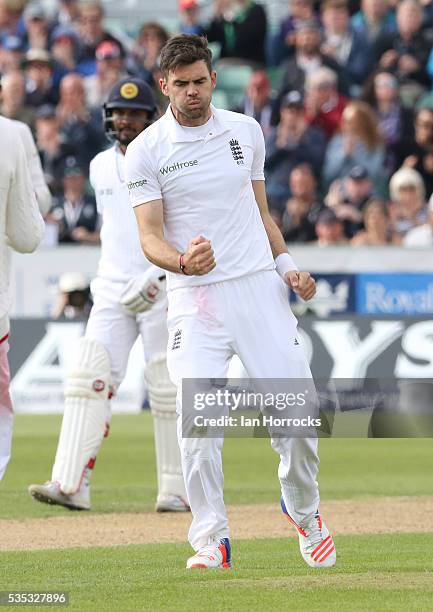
(203, 176)
(121, 255)
(43, 194)
(21, 224)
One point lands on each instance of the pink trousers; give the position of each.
(6, 412)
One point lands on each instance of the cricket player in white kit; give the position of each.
(197, 186)
(43, 195)
(129, 300)
(22, 229)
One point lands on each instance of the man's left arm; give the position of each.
(301, 282)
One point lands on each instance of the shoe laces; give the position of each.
(314, 533)
(210, 549)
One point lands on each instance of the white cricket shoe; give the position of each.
(213, 556)
(315, 542)
(171, 503)
(50, 493)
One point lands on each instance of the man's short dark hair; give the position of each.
(183, 50)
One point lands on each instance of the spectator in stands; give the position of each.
(11, 53)
(190, 17)
(37, 26)
(421, 236)
(64, 49)
(289, 144)
(68, 13)
(11, 21)
(375, 19)
(13, 96)
(110, 68)
(258, 102)
(308, 58)
(348, 196)
(74, 211)
(303, 207)
(329, 230)
(52, 150)
(240, 27)
(74, 300)
(92, 32)
(407, 208)
(394, 120)
(151, 38)
(417, 153)
(344, 44)
(39, 78)
(323, 104)
(284, 43)
(81, 128)
(358, 143)
(405, 52)
(377, 226)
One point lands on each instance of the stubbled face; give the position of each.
(128, 123)
(189, 89)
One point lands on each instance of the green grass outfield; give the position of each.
(381, 572)
(269, 575)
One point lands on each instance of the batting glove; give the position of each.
(142, 292)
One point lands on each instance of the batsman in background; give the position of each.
(22, 229)
(129, 300)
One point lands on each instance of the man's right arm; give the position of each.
(197, 260)
(150, 226)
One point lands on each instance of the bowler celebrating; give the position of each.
(197, 186)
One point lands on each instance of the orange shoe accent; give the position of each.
(320, 546)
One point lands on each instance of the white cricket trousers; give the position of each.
(6, 412)
(250, 317)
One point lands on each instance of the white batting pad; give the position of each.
(86, 413)
(162, 399)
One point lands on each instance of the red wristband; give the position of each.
(182, 265)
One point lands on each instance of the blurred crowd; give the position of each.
(342, 90)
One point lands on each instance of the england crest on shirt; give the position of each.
(236, 150)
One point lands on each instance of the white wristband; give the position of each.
(284, 263)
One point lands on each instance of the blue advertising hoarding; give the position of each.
(394, 294)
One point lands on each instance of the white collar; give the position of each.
(178, 134)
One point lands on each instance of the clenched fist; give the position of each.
(199, 258)
(302, 283)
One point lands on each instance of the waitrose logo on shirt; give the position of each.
(178, 166)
